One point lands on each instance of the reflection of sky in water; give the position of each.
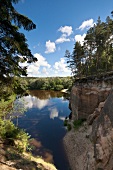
(34, 102)
(53, 113)
(43, 120)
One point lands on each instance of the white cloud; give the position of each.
(66, 30)
(44, 71)
(80, 38)
(34, 102)
(62, 118)
(33, 69)
(42, 68)
(50, 47)
(41, 61)
(62, 39)
(53, 113)
(86, 24)
(61, 66)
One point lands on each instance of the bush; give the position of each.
(69, 127)
(58, 87)
(22, 142)
(13, 135)
(7, 129)
(65, 122)
(78, 123)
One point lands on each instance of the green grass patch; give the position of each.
(69, 127)
(78, 123)
(65, 122)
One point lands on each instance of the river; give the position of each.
(43, 120)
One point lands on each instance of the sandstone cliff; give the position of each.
(86, 96)
(91, 147)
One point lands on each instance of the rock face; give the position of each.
(102, 136)
(79, 149)
(85, 97)
(91, 147)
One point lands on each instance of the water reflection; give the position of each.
(43, 120)
(41, 151)
(45, 94)
(53, 113)
(34, 102)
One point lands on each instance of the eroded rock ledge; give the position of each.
(91, 147)
(86, 96)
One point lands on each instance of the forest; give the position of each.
(94, 56)
(49, 83)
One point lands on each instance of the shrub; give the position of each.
(58, 87)
(69, 127)
(65, 122)
(78, 123)
(13, 135)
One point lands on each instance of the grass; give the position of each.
(69, 127)
(65, 122)
(78, 123)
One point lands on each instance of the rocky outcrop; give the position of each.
(95, 114)
(79, 148)
(86, 96)
(91, 147)
(102, 136)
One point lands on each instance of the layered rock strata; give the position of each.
(91, 147)
(86, 96)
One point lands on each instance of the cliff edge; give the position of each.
(91, 146)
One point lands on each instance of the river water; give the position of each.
(43, 120)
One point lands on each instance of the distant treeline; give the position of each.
(49, 83)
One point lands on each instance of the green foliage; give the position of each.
(19, 85)
(65, 122)
(58, 87)
(78, 123)
(69, 127)
(49, 83)
(12, 42)
(6, 105)
(13, 45)
(13, 135)
(95, 55)
(8, 131)
(22, 142)
(15, 86)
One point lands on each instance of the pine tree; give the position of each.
(13, 43)
(13, 47)
(95, 56)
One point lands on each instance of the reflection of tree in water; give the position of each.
(46, 94)
(39, 150)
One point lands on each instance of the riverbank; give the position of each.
(64, 90)
(10, 159)
(77, 144)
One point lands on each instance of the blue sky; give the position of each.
(60, 23)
